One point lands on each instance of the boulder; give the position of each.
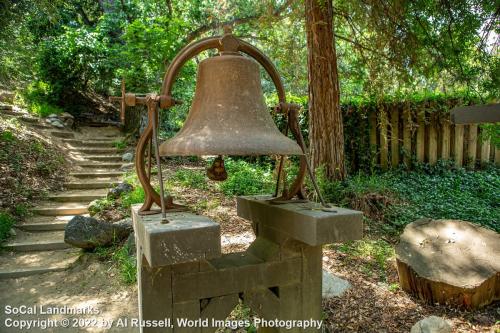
(127, 157)
(117, 191)
(334, 286)
(89, 233)
(56, 123)
(431, 324)
(125, 224)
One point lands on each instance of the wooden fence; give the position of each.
(398, 135)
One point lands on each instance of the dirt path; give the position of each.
(36, 267)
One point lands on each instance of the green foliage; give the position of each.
(44, 109)
(73, 60)
(120, 144)
(400, 197)
(39, 97)
(191, 178)
(136, 196)
(6, 223)
(491, 132)
(374, 253)
(246, 179)
(127, 264)
(99, 205)
(119, 255)
(7, 136)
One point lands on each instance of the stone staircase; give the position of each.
(39, 246)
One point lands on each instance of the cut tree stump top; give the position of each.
(450, 261)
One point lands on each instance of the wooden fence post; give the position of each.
(395, 137)
(472, 146)
(373, 137)
(485, 151)
(445, 140)
(433, 140)
(383, 139)
(420, 146)
(407, 121)
(459, 145)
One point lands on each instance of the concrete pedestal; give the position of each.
(183, 276)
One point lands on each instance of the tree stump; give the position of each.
(450, 262)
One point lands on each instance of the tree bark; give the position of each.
(326, 134)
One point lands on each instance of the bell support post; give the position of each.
(145, 141)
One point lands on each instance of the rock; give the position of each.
(7, 97)
(12, 232)
(67, 119)
(125, 224)
(66, 115)
(127, 157)
(127, 167)
(334, 286)
(89, 233)
(57, 123)
(130, 243)
(116, 191)
(431, 324)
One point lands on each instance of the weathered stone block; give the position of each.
(186, 238)
(305, 222)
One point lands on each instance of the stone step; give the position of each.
(97, 151)
(56, 208)
(104, 158)
(90, 185)
(99, 166)
(78, 196)
(89, 143)
(45, 223)
(8, 109)
(20, 264)
(27, 119)
(61, 134)
(105, 139)
(42, 126)
(37, 241)
(100, 174)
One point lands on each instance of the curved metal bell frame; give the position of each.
(228, 115)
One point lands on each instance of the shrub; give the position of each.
(6, 223)
(44, 109)
(191, 178)
(119, 144)
(127, 264)
(136, 196)
(247, 179)
(400, 197)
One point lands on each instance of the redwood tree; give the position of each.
(326, 133)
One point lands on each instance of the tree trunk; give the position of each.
(326, 134)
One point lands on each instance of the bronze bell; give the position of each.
(228, 115)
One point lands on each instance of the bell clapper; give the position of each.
(217, 171)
